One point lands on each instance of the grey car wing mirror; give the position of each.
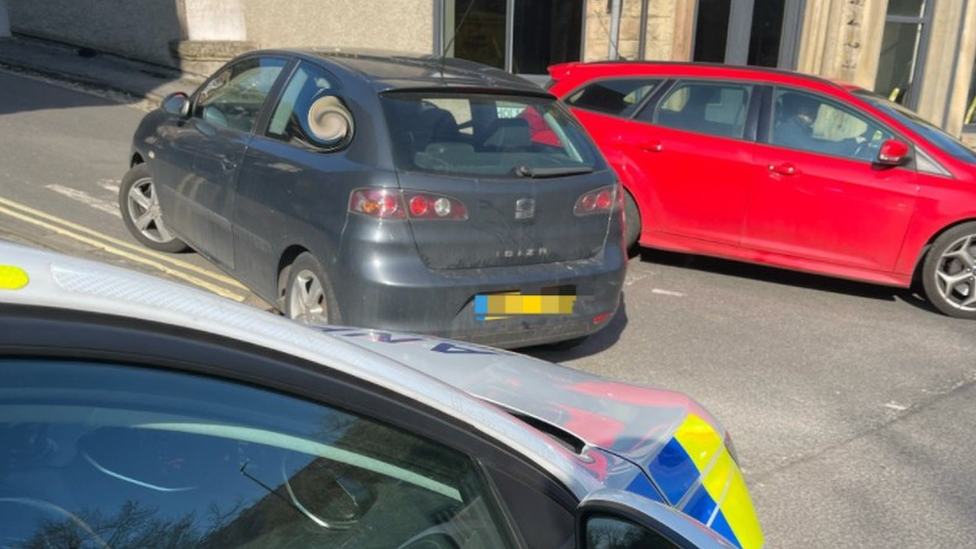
(177, 104)
(614, 519)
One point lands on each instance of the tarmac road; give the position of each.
(850, 404)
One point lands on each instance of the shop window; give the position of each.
(903, 49)
(970, 117)
(521, 36)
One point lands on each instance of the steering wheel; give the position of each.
(866, 149)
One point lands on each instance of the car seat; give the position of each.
(508, 134)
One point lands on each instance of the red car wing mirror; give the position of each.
(893, 153)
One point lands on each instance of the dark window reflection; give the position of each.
(767, 31)
(616, 97)
(899, 66)
(95, 457)
(480, 26)
(546, 32)
(908, 8)
(712, 30)
(606, 532)
(896, 68)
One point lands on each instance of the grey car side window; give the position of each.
(233, 99)
(111, 455)
(309, 114)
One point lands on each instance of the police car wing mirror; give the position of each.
(614, 519)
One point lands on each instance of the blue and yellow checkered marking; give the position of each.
(641, 485)
(695, 471)
(498, 306)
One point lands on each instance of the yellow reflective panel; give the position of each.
(12, 278)
(700, 440)
(739, 513)
(717, 478)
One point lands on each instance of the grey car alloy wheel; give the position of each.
(144, 211)
(141, 212)
(308, 296)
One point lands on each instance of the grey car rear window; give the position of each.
(485, 135)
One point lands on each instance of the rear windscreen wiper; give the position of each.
(526, 171)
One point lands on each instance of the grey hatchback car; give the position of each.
(402, 192)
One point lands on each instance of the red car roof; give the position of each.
(634, 68)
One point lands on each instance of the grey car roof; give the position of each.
(386, 70)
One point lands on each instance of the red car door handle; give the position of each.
(784, 168)
(652, 146)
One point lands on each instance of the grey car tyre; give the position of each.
(632, 221)
(308, 296)
(141, 213)
(949, 272)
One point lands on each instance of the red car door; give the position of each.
(695, 156)
(817, 194)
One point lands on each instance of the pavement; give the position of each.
(95, 69)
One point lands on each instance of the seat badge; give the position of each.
(525, 208)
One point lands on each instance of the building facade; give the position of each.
(922, 53)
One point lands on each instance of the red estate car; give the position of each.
(784, 169)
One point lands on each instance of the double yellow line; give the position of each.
(161, 262)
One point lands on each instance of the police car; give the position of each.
(136, 412)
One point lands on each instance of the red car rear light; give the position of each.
(599, 201)
(394, 204)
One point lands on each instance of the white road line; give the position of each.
(659, 291)
(133, 257)
(37, 214)
(632, 278)
(87, 199)
(110, 185)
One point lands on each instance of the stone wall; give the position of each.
(141, 29)
(406, 25)
(842, 39)
(207, 32)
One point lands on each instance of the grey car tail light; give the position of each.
(598, 201)
(394, 204)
